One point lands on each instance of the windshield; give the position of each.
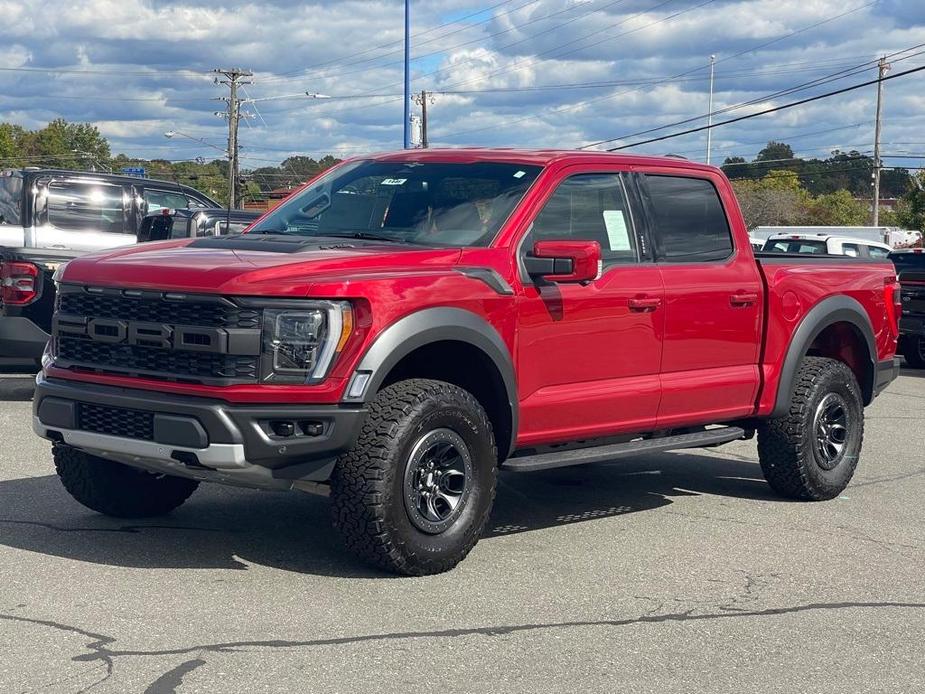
(438, 204)
(795, 246)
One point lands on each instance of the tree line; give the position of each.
(777, 188)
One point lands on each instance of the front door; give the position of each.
(713, 303)
(588, 355)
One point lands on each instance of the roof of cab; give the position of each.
(536, 157)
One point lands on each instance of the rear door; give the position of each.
(713, 301)
(82, 214)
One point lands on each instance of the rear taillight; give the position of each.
(892, 297)
(18, 283)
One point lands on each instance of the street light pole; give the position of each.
(710, 111)
(407, 109)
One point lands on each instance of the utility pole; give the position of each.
(883, 67)
(422, 100)
(710, 110)
(234, 77)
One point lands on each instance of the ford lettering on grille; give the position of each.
(199, 338)
(143, 334)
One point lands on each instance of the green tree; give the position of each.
(775, 151)
(840, 208)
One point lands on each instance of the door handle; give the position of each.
(645, 303)
(743, 299)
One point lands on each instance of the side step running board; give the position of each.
(614, 451)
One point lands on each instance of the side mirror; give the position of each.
(565, 261)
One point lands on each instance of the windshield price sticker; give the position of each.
(394, 181)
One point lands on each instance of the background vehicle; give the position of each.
(910, 267)
(891, 236)
(48, 216)
(194, 223)
(407, 323)
(823, 243)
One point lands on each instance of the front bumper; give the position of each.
(20, 338)
(194, 437)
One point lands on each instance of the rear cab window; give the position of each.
(796, 246)
(690, 223)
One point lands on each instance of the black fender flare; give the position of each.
(835, 309)
(435, 325)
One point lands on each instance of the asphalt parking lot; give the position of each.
(669, 573)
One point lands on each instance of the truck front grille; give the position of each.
(154, 361)
(187, 312)
(190, 338)
(115, 421)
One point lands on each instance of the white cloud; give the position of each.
(353, 48)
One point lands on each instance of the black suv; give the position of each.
(910, 267)
(48, 216)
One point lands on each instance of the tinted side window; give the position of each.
(851, 249)
(589, 207)
(877, 252)
(86, 206)
(160, 199)
(10, 199)
(690, 223)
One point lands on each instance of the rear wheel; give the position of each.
(119, 490)
(913, 350)
(812, 451)
(414, 493)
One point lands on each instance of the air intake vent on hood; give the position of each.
(270, 243)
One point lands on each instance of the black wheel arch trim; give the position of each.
(836, 309)
(437, 325)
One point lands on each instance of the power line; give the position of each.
(766, 111)
(841, 74)
(752, 49)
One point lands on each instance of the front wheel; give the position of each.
(415, 492)
(913, 351)
(811, 452)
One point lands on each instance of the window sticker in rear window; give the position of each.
(394, 181)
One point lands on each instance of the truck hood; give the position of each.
(223, 266)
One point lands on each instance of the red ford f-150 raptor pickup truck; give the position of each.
(409, 323)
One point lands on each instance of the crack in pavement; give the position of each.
(99, 648)
(121, 529)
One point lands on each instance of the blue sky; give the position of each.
(138, 68)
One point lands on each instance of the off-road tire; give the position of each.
(913, 348)
(789, 458)
(114, 489)
(368, 492)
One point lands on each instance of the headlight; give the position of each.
(300, 344)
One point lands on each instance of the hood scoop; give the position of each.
(269, 243)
